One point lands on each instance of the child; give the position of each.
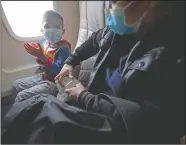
(51, 56)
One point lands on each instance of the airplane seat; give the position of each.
(92, 18)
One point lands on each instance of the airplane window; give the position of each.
(24, 17)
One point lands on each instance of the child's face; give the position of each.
(53, 28)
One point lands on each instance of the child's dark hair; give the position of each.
(52, 13)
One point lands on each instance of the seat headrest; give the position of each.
(92, 18)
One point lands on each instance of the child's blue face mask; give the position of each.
(52, 34)
(116, 20)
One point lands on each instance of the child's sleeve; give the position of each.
(54, 67)
(39, 61)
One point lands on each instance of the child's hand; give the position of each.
(35, 50)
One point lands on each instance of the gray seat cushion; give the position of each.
(85, 69)
(90, 21)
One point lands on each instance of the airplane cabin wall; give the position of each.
(16, 63)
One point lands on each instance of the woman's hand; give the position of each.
(65, 71)
(74, 92)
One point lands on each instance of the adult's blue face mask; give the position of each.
(117, 23)
(116, 20)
